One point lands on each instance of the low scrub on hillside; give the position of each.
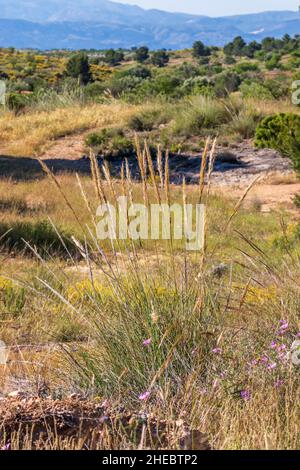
(281, 132)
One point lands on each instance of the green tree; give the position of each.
(252, 48)
(160, 58)
(114, 57)
(200, 50)
(142, 54)
(236, 47)
(78, 67)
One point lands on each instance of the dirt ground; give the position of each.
(267, 196)
(235, 168)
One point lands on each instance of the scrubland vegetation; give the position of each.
(205, 337)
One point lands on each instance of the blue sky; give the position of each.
(216, 7)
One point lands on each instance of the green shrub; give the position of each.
(164, 84)
(279, 87)
(160, 58)
(124, 85)
(39, 234)
(227, 82)
(198, 86)
(110, 143)
(244, 124)
(255, 90)
(198, 114)
(281, 132)
(246, 67)
(17, 102)
(148, 120)
(94, 90)
(229, 60)
(273, 62)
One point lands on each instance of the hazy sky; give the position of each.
(216, 7)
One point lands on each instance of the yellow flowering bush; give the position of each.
(83, 290)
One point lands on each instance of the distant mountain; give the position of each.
(78, 24)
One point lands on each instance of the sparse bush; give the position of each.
(198, 86)
(279, 87)
(227, 82)
(244, 124)
(243, 67)
(149, 119)
(199, 114)
(273, 62)
(110, 143)
(255, 90)
(17, 102)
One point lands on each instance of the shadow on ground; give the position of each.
(24, 168)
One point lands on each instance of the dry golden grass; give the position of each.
(267, 107)
(32, 133)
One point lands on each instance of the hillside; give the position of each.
(103, 24)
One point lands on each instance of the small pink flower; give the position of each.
(283, 327)
(147, 342)
(273, 345)
(282, 347)
(6, 447)
(279, 383)
(282, 356)
(144, 396)
(264, 359)
(298, 334)
(215, 383)
(272, 366)
(217, 351)
(246, 395)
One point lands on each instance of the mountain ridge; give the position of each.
(101, 24)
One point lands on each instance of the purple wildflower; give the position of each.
(272, 366)
(273, 345)
(282, 356)
(246, 395)
(147, 342)
(6, 446)
(215, 383)
(279, 383)
(264, 359)
(283, 327)
(144, 396)
(217, 351)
